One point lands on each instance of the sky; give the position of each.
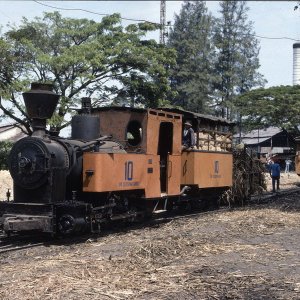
(272, 19)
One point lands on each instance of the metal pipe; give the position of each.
(184, 189)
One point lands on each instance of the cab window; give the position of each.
(134, 133)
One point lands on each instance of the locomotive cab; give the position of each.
(152, 140)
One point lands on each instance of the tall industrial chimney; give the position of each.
(296, 63)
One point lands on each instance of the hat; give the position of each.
(188, 123)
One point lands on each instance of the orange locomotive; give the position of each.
(154, 168)
(154, 162)
(121, 163)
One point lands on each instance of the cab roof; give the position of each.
(186, 114)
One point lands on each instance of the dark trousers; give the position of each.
(275, 179)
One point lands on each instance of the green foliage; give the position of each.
(82, 57)
(217, 58)
(275, 106)
(193, 74)
(237, 52)
(5, 148)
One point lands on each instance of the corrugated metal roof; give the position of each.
(258, 136)
(191, 114)
(254, 141)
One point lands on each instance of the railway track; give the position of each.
(269, 196)
(19, 242)
(11, 247)
(257, 199)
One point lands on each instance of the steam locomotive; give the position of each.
(119, 164)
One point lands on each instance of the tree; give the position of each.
(82, 57)
(5, 148)
(276, 106)
(237, 51)
(10, 84)
(192, 76)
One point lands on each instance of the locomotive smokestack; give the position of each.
(40, 104)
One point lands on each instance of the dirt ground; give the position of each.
(245, 253)
(287, 180)
(5, 183)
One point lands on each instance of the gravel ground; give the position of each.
(5, 183)
(245, 253)
(287, 180)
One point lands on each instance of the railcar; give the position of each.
(119, 164)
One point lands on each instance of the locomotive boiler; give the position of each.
(119, 164)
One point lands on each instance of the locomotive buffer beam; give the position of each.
(27, 223)
(26, 217)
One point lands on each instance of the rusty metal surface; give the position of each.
(114, 122)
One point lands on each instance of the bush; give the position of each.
(5, 148)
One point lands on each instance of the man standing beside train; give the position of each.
(188, 137)
(275, 174)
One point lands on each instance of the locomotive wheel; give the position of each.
(66, 224)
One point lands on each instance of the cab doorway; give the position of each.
(165, 147)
